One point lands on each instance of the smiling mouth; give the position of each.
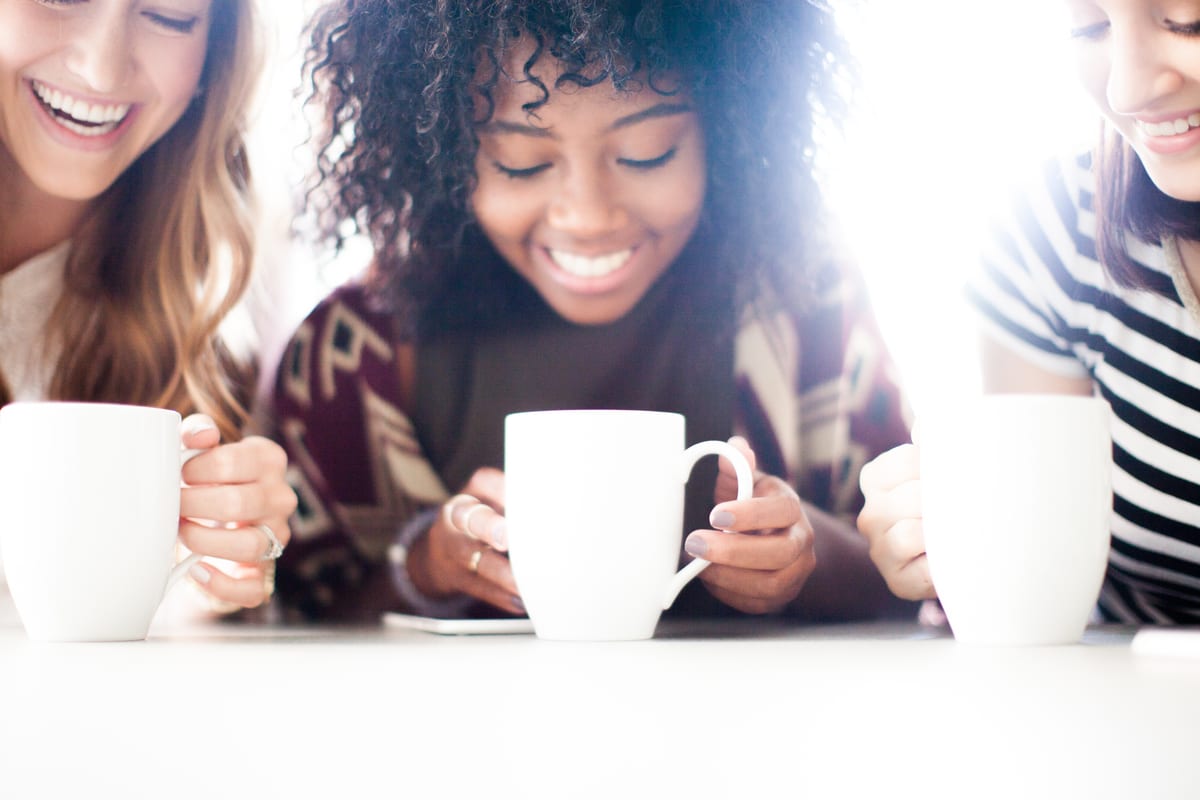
(1173, 127)
(589, 266)
(79, 116)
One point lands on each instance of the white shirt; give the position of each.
(27, 296)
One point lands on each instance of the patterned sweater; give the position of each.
(816, 396)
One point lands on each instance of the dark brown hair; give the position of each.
(394, 86)
(1128, 202)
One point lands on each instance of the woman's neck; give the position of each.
(32, 221)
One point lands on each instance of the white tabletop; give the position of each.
(702, 711)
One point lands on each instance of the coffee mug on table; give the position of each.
(594, 503)
(1016, 503)
(89, 515)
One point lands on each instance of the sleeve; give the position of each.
(357, 468)
(1035, 266)
(851, 406)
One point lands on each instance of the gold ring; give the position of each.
(466, 520)
(473, 564)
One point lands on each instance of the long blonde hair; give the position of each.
(166, 254)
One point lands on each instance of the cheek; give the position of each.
(175, 68)
(1092, 70)
(505, 208)
(678, 201)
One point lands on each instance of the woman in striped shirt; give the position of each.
(1091, 288)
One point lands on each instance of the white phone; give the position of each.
(457, 627)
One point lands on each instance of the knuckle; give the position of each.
(285, 500)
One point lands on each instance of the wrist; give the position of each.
(411, 581)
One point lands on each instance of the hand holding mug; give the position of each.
(235, 506)
(762, 551)
(465, 550)
(891, 521)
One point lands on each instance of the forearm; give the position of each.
(845, 585)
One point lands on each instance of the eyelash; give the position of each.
(1183, 28)
(650, 163)
(173, 24)
(517, 174)
(1089, 32)
(640, 165)
(170, 23)
(1096, 30)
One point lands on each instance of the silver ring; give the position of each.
(476, 557)
(275, 550)
(466, 520)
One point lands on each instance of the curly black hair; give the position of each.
(394, 84)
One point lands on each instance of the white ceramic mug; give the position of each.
(89, 515)
(1016, 504)
(594, 503)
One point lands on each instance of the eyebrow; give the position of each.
(526, 129)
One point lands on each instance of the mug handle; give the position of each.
(745, 489)
(180, 569)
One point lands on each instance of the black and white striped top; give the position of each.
(1042, 292)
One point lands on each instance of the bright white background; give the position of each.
(958, 99)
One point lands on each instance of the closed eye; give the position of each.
(649, 163)
(173, 24)
(526, 172)
(1091, 32)
(1183, 28)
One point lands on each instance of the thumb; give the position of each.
(200, 432)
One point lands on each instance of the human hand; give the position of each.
(465, 550)
(763, 551)
(235, 493)
(891, 521)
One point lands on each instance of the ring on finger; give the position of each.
(476, 557)
(274, 546)
(466, 520)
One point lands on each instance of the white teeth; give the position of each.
(1172, 127)
(585, 267)
(78, 115)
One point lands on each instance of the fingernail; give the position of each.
(193, 425)
(695, 546)
(518, 603)
(199, 574)
(500, 534)
(720, 518)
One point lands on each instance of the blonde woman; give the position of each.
(126, 240)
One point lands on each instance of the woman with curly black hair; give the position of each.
(579, 204)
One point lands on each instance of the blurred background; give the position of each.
(957, 101)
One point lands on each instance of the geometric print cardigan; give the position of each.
(817, 396)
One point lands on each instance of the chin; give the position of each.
(593, 315)
(1182, 185)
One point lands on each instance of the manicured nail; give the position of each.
(695, 546)
(199, 574)
(518, 603)
(500, 534)
(720, 518)
(194, 425)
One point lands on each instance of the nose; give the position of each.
(585, 204)
(1139, 73)
(99, 52)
